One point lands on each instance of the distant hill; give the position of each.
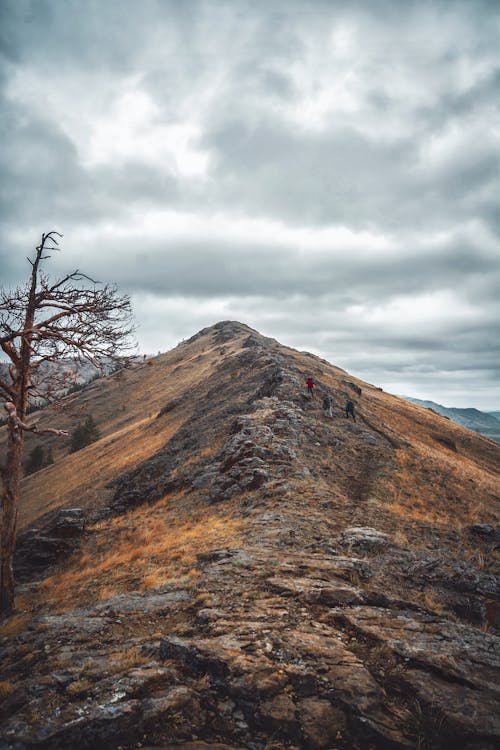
(66, 376)
(485, 423)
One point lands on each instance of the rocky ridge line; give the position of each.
(307, 635)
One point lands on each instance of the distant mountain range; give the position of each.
(485, 423)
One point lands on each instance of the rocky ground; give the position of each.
(327, 621)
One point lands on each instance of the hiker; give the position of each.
(349, 409)
(328, 405)
(310, 386)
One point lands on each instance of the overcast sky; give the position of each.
(326, 172)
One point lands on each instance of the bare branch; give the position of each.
(6, 390)
(16, 425)
(42, 325)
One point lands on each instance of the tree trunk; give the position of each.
(10, 502)
(12, 469)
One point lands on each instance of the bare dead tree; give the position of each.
(46, 322)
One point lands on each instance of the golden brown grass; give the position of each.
(78, 688)
(15, 625)
(431, 602)
(428, 485)
(6, 688)
(144, 549)
(125, 406)
(83, 479)
(118, 661)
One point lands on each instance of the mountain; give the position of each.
(63, 376)
(228, 568)
(486, 423)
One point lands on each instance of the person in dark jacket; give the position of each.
(349, 409)
(328, 405)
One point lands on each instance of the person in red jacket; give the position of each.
(310, 386)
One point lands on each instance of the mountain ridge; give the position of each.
(250, 571)
(485, 423)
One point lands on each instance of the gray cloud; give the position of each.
(326, 171)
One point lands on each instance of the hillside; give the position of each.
(237, 570)
(486, 423)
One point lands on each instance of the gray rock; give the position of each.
(363, 538)
(346, 679)
(145, 603)
(317, 591)
(321, 722)
(85, 621)
(58, 536)
(485, 530)
(278, 713)
(456, 666)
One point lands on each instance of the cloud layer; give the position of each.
(324, 171)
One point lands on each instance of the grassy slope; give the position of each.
(438, 476)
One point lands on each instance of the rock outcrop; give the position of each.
(55, 538)
(327, 621)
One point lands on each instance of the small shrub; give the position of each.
(84, 434)
(38, 459)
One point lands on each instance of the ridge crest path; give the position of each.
(259, 575)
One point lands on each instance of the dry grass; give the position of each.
(78, 688)
(6, 689)
(125, 406)
(400, 539)
(204, 599)
(87, 472)
(15, 625)
(428, 485)
(431, 602)
(142, 550)
(122, 661)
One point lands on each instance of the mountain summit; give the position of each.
(231, 567)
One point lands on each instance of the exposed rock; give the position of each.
(462, 576)
(39, 549)
(197, 746)
(82, 622)
(486, 531)
(279, 713)
(247, 459)
(459, 651)
(470, 608)
(469, 712)
(344, 676)
(170, 406)
(466, 661)
(316, 591)
(321, 722)
(353, 386)
(276, 634)
(363, 538)
(326, 568)
(483, 529)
